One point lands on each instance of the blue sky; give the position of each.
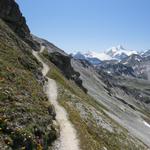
(82, 25)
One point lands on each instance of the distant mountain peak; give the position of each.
(114, 53)
(115, 49)
(119, 52)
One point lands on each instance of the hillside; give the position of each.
(51, 101)
(26, 116)
(96, 129)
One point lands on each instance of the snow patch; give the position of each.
(148, 125)
(101, 56)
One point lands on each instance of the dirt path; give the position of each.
(68, 139)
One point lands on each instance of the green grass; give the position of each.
(23, 104)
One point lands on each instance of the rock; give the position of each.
(10, 13)
(63, 62)
(116, 69)
(51, 111)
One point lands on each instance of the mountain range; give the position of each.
(50, 100)
(115, 53)
(118, 60)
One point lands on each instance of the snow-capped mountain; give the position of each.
(101, 56)
(132, 60)
(114, 53)
(146, 53)
(91, 54)
(119, 61)
(87, 56)
(120, 52)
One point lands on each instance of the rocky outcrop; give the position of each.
(64, 64)
(10, 13)
(62, 60)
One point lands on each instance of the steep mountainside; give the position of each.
(140, 65)
(26, 117)
(125, 98)
(104, 112)
(116, 69)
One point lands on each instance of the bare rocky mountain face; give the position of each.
(11, 14)
(127, 98)
(140, 65)
(105, 110)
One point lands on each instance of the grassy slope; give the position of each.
(24, 107)
(82, 110)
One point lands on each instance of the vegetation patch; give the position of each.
(26, 119)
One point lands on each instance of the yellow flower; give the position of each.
(23, 148)
(39, 147)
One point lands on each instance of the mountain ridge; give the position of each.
(114, 53)
(138, 62)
